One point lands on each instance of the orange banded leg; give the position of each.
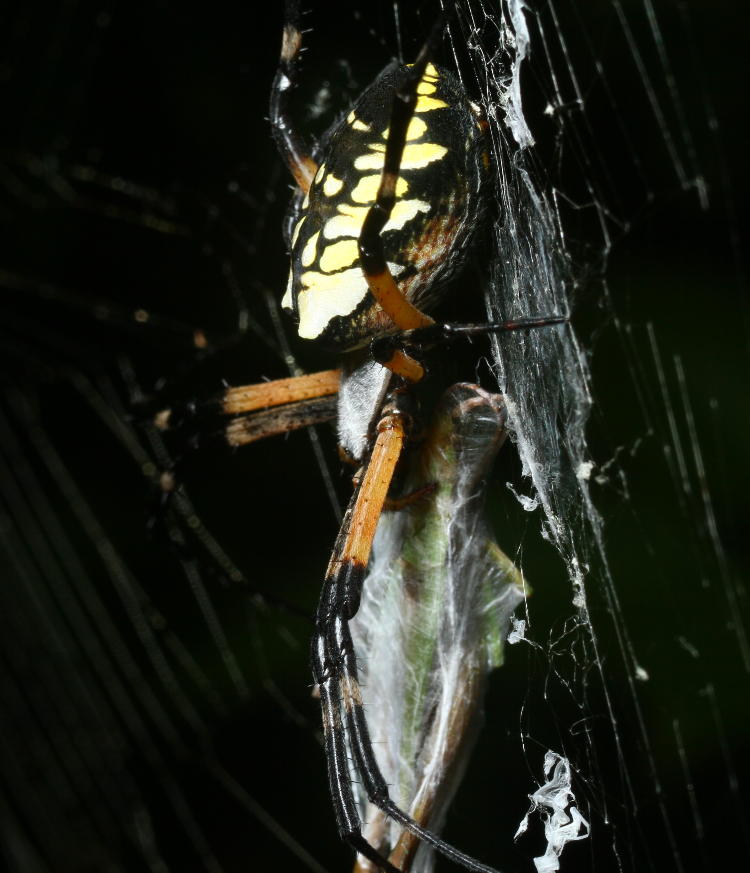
(352, 551)
(397, 360)
(396, 504)
(274, 408)
(311, 395)
(333, 662)
(263, 395)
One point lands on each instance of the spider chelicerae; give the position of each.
(387, 206)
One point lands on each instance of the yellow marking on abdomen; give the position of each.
(323, 297)
(308, 252)
(367, 189)
(297, 229)
(356, 123)
(360, 125)
(332, 185)
(416, 129)
(338, 255)
(286, 300)
(350, 219)
(427, 104)
(403, 211)
(348, 222)
(415, 156)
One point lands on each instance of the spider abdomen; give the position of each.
(438, 207)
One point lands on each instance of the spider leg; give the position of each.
(334, 657)
(280, 406)
(246, 429)
(367, 766)
(334, 669)
(290, 144)
(345, 808)
(263, 395)
(275, 407)
(445, 332)
(389, 350)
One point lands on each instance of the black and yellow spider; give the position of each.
(388, 204)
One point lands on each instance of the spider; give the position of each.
(403, 172)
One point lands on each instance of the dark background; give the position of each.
(138, 173)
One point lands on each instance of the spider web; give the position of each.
(156, 702)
